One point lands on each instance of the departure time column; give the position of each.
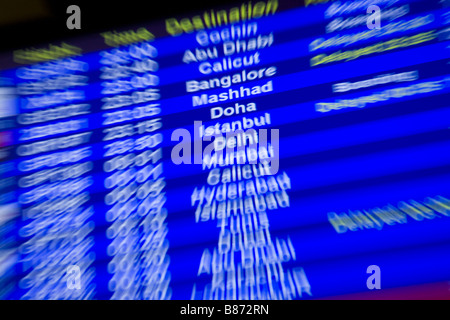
(133, 168)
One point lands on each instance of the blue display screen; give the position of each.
(288, 154)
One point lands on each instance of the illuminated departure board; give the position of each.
(261, 151)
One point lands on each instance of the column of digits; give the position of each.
(134, 174)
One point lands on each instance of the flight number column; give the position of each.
(54, 168)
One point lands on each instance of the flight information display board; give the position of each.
(242, 153)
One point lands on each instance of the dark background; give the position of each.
(25, 23)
